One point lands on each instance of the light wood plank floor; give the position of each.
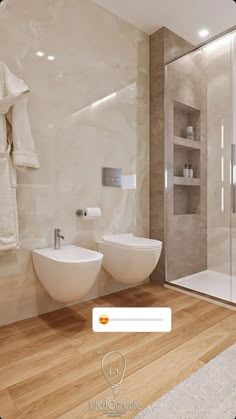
(50, 366)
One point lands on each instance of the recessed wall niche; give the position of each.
(186, 199)
(186, 151)
(184, 116)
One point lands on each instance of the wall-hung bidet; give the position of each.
(129, 259)
(67, 273)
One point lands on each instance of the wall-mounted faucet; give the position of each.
(57, 237)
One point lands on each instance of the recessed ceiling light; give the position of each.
(203, 33)
(51, 58)
(40, 53)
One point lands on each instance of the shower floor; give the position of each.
(212, 283)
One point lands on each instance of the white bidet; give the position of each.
(67, 273)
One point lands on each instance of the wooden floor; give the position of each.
(50, 366)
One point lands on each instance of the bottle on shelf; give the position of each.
(190, 133)
(190, 171)
(186, 171)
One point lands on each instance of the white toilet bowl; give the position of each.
(129, 259)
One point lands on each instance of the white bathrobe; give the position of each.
(16, 151)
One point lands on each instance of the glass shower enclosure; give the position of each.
(200, 181)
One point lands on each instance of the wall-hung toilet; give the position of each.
(129, 259)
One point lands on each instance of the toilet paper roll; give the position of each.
(92, 213)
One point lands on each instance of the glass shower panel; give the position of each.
(233, 167)
(198, 201)
(218, 58)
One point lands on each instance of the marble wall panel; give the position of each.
(164, 45)
(96, 55)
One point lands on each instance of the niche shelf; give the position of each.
(188, 144)
(185, 181)
(186, 191)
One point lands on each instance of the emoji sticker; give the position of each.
(104, 319)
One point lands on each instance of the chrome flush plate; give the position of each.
(111, 176)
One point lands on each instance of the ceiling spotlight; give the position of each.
(51, 58)
(40, 53)
(203, 33)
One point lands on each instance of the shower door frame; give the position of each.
(229, 31)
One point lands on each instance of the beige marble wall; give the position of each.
(164, 45)
(96, 54)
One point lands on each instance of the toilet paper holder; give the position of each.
(89, 213)
(81, 212)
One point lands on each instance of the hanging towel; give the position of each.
(17, 151)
